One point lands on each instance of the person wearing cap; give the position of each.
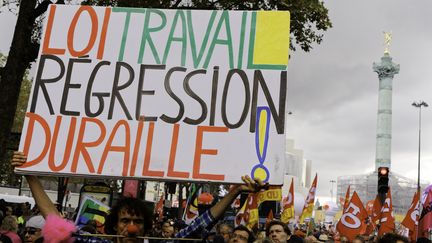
(33, 228)
(323, 238)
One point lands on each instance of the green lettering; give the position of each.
(182, 39)
(128, 12)
(146, 38)
(197, 58)
(224, 19)
(242, 38)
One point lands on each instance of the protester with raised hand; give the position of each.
(129, 217)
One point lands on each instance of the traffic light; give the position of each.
(383, 179)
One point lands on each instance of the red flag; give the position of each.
(248, 214)
(270, 217)
(387, 220)
(347, 195)
(370, 227)
(353, 218)
(376, 210)
(425, 221)
(411, 219)
(159, 207)
(309, 202)
(288, 205)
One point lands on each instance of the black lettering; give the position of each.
(194, 96)
(214, 95)
(243, 116)
(99, 95)
(168, 89)
(40, 83)
(279, 119)
(68, 85)
(115, 94)
(145, 92)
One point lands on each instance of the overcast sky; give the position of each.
(333, 91)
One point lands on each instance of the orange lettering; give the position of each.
(45, 47)
(33, 118)
(81, 146)
(71, 32)
(146, 171)
(103, 33)
(68, 148)
(136, 147)
(172, 157)
(124, 149)
(199, 151)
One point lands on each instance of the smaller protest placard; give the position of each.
(92, 210)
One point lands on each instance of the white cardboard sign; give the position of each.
(163, 94)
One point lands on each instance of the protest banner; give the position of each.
(181, 94)
(92, 209)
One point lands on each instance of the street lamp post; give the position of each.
(419, 105)
(332, 184)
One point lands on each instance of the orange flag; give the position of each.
(387, 220)
(347, 195)
(159, 207)
(425, 221)
(270, 217)
(248, 213)
(353, 218)
(288, 205)
(376, 210)
(309, 202)
(411, 219)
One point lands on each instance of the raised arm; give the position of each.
(249, 186)
(45, 205)
(214, 213)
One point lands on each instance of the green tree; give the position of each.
(309, 18)
(7, 177)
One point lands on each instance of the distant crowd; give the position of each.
(132, 220)
(21, 223)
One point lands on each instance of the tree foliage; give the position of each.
(309, 18)
(7, 177)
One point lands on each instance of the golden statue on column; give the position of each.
(387, 41)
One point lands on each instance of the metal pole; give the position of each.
(418, 167)
(419, 150)
(419, 105)
(332, 189)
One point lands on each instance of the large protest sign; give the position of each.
(161, 94)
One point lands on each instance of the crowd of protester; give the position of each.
(20, 223)
(131, 220)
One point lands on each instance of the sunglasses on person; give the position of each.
(31, 231)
